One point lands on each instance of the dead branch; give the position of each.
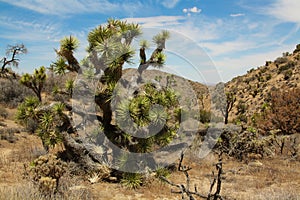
(184, 190)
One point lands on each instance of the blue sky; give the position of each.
(224, 38)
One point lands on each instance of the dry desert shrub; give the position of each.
(12, 92)
(28, 191)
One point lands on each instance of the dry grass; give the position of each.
(276, 178)
(28, 191)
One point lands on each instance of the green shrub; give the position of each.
(27, 115)
(288, 74)
(268, 77)
(287, 66)
(250, 71)
(239, 144)
(205, 116)
(241, 118)
(281, 60)
(261, 79)
(297, 48)
(263, 70)
(132, 180)
(268, 63)
(162, 172)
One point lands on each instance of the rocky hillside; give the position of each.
(253, 89)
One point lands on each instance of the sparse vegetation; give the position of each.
(12, 93)
(286, 66)
(264, 105)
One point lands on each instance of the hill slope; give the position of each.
(253, 89)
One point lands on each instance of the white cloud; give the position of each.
(66, 7)
(285, 10)
(156, 22)
(203, 32)
(195, 10)
(191, 10)
(169, 3)
(237, 15)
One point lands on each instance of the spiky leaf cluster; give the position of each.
(27, 110)
(66, 60)
(49, 120)
(153, 109)
(132, 180)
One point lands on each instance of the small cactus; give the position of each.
(46, 172)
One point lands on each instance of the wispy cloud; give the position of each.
(285, 10)
(237, 15)
(169, 3)
(157, 21)
(228, 47)
(29, 30)
(40, 37)
(66, 7)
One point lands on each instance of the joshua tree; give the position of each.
(109, 49)
(11, 58)
(67, 47)
(35, 81)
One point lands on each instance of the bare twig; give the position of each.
(185, 189)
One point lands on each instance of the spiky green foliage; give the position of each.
(69, 85)
(26, 110)
(70, 43)
(132, 180)
(48, 131)
(48, 121)
(67, 47)
(161, 38)
(153, 108)
(59, 66)
(27, 114)
(144, 44)
(35, 81)
(109, 49)
(162, 172)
